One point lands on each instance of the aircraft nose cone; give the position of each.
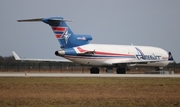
(60, 53)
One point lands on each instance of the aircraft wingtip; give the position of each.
(15, 55)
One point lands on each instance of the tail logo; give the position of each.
(61, 33)
(66, 36)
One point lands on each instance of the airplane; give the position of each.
(78, 49)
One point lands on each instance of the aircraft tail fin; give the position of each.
(63, 33)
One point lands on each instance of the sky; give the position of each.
(141, 22)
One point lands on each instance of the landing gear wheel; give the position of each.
(94, 70)
(121, 70)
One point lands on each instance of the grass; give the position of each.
(89, 92)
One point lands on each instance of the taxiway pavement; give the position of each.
(22, 74)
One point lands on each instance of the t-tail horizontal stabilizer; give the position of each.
(64, 35)
(43, 19)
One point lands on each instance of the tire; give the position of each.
(94, 70)
(121, 70)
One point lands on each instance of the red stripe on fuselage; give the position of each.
(103, 53)
(97, 58)
(81, 50)
(113, 54)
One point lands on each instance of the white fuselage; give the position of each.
(108, 55)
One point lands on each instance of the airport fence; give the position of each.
(42, 67)
(69, 68)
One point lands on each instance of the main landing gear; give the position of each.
(159, 68)
(94, 70)
(120, 70)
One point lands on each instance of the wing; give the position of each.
(31, 59)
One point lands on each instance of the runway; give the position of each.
(22, 74)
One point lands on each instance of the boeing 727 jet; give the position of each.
(76, 48)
